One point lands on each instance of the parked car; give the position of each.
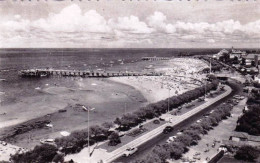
(3, 143)
(47, 141)
(129, 151)
(161, 119)
(171, 139)
(167, 129)
(156, 121)
(198, 121)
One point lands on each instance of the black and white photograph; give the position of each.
(129, 81)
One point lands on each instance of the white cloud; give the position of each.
(73, 25)
(189, 37)
(130, 24)
(211, 41)
(71, 19)
(157, 21)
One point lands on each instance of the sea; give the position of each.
(12, 86)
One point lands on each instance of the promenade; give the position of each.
(101, 154)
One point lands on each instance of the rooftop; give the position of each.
(247, 136)
(252, 56)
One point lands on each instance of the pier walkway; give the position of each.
(155, 58)
(80, 73)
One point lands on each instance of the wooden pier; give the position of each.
(79, 73)
(155, 58)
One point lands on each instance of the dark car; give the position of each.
(167, 129)
(156, 121)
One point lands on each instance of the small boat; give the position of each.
(43, 75)
(149, 67)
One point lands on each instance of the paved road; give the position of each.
(161, 138)
(178, 120)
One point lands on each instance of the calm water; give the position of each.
(13, 60)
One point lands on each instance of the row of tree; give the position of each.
(248, 153)
(215, 65)
(41, 154)
(249, 122)
(77, 140)
(190, 136)
(130, 120)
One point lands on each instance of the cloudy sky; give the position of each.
(130, 24)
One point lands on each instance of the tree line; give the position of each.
(215, 65)
(190, 136)
(249, 122)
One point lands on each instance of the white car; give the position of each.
(129, 151)
(198, 121)
(47, 141)
(171, 139)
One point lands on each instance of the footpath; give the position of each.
(101, 155)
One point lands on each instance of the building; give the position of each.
(242, 139)
(220, 54)
(257, 78)
(252, 58)
(242, 136)
(236, 53)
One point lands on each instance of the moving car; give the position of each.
(167, 129)
(129, 151)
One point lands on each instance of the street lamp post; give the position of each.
(88, 127)
(205, 91)
(169, 99)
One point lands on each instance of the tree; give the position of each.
(247, 153)
(43, 153)
(205, 125)
(195, 134)
(161, 152)
(58, 158)
(177, 149)
(212, 120)
(185, 139)
(118, 121)
(196, 127)
(250, 121)
(107, 125)
(98, 133)
(114, 139)
(152, 158)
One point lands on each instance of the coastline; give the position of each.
(111, 97)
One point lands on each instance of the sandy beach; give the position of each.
(181, 75)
